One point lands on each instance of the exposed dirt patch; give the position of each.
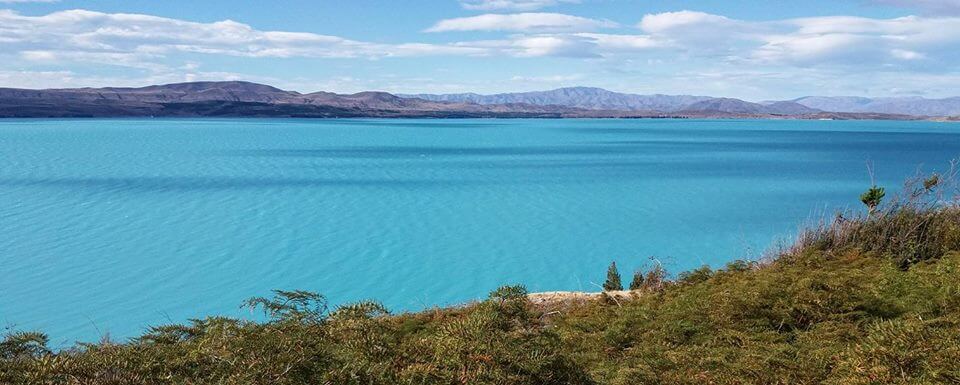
(564, 298)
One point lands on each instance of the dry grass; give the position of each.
(918, 224)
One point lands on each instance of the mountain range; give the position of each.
(916, 106)
(601, 99)
(237, 98)
(580, 97)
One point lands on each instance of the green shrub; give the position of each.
(509, 293)
(872, 198)
(696, 276)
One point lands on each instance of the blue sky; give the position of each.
(754, 50)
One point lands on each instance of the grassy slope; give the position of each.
(866, 301)
(819, 318)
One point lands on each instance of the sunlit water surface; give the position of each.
(109, 226)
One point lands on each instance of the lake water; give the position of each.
(108, 226)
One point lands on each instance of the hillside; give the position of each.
(861, 299)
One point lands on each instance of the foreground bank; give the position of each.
(859, 300)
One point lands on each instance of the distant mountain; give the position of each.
(737, 106)
(234, 91)
(237, 98)
(728, 105)
(916, 106)
(579, 97)
(601, 99)
(789, 108)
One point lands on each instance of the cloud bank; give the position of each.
(123, 38)
(511, 5)
(521, 22)
(931, 7)
(837, 46)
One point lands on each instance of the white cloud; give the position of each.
(863, 42)
(80, 35)
(139, 40)
(907, 55)
(572, 45)
(781, 83)
(511, 5)
(931, 7)
(674, 21)
(611, 43)
(37, 79)
(702, 33)
(61, 46)
(143, 41)
(548, 79)
(521, 22)
(546, 45)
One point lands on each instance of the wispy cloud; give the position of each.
(134, 39)
(931, 7)
(832, 49)
(521, 22)
(511, 5)
(550, 79)
(863, 42)
(95, 37)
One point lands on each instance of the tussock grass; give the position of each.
(918, 224)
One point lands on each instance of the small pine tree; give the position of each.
(613, 282)
(872, 198)
(637, 282)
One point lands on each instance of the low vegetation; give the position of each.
(859, 299)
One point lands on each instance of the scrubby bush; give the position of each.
(919, 224)
(509, 293)
(695, 276)
(655, 278)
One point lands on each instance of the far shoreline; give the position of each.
(387, 118)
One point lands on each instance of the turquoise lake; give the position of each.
(110, 226)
